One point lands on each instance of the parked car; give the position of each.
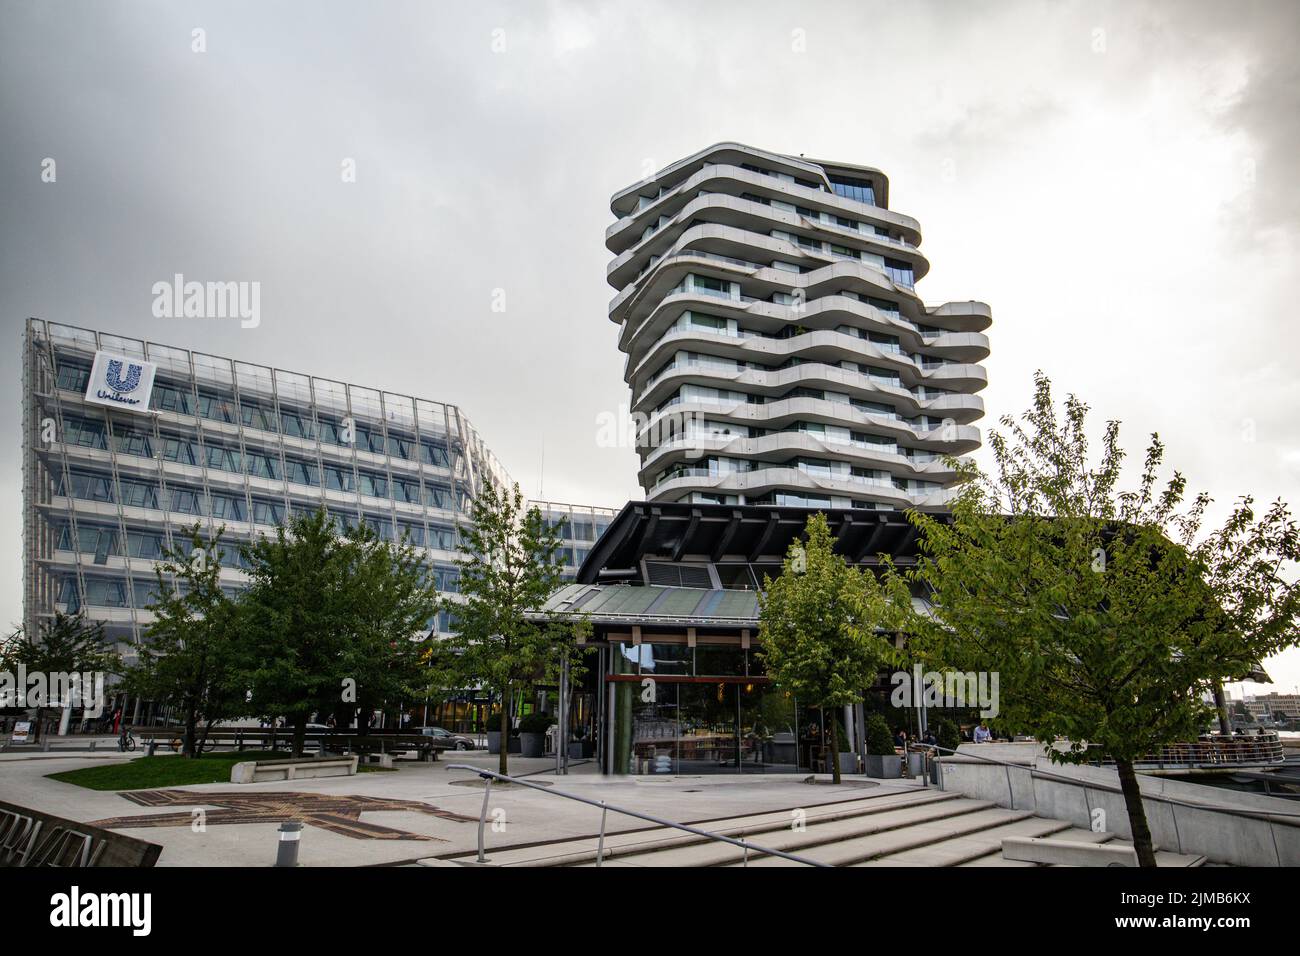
(450, 740)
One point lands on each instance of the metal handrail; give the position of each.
(605, 807)
(1159, 797)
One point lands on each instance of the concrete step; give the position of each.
(909, 835)
(1164, 857)
(960, 850)
(819, 839)
(582, 850)
(995, 858)
(1079, 834)
(920, 827)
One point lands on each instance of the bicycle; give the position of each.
(125, 740)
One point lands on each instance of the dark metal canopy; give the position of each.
(676, 531)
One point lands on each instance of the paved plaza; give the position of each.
(418, 811)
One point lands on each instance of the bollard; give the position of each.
(149, 747)
(286, 853)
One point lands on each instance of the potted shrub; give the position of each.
(494, 742)
(532, 734)
(945, 732)
(882, 762)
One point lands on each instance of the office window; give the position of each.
(257, 416)
(85, 434)
(268, 512)
(849, 188)
(72, 374)
(302, 472)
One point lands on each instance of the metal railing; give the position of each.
(1217, 751)
(605, 807)
(1269, 817)
(1060, 778)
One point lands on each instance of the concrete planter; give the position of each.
(915, 764)
(848, 763)
(494, 743)
(531, 745)
(889, 767)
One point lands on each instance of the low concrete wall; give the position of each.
(255, 771)
(1072, 793)
(30, 837)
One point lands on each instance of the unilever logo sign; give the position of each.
(120, 381)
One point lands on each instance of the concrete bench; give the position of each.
(1067, 852)
(261, 771)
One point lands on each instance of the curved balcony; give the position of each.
(728, 156)
(825, 313)
(733, 256)
(961, 408)
(825, 347)
(954, 439)
(826, 275)
(781, 447)
(753, 221)
(764, 481)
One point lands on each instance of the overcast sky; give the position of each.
(1117, 180)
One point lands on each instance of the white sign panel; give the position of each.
(120, 382)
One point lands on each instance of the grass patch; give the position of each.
(144, 773)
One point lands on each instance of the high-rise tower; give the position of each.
(776, 348)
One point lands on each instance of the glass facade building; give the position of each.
(579, 527)
(675, 681)
(107, 486)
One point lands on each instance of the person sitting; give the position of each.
(900, 739)
(982, 734)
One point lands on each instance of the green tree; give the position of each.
(394, 600)
(332, 620)
(1106, 620)
(188, 655)
(823, 626)
(67, 644)
(511, 567)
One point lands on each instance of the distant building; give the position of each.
(1275, 706)
(126, 442)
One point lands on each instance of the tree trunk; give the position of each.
(203, 742)
(835, 749)
(1137, 814)
(191, 733)
(299, 733)
(502, 763)
(1221, 705)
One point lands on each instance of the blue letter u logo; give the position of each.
(113, 377)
